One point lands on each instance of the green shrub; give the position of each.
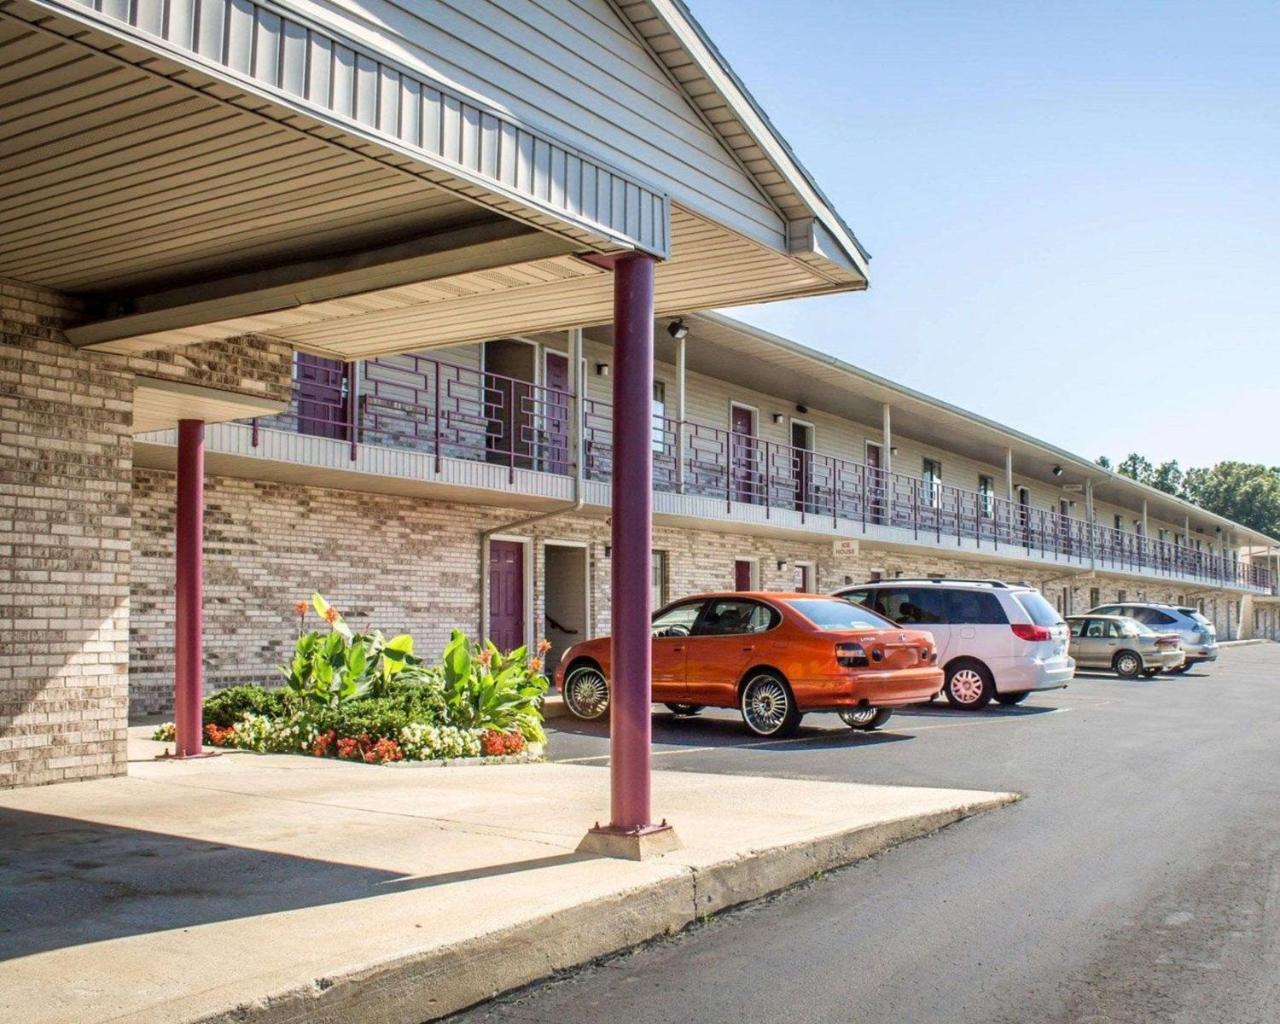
(486, 689)
(227, 707)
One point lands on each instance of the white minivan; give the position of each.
(996, 641)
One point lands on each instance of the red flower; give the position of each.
(384, 752)
(300, 607)
(218, 736)
(324, 743)
(496, 744)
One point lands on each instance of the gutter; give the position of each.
(577, 384)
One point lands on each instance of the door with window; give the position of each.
(802, 444)
(875, 485)
(506, 594)
(671, 632)
(554, 457)
(1024, 513)
(722, 647)
(324, 389)
(743, 453)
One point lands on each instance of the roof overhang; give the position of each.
(722, 347)
(176, 165)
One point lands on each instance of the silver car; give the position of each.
(1124, 645)
(1199, 638)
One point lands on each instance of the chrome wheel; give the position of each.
(967, 686)
(766, 706)
(859, 718)
(1128, 664)
(586, 693)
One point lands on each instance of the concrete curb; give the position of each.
(437, 982)
(1244, 643)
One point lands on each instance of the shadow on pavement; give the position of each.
(66, 882)
(721, 731)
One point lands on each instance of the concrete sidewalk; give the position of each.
(289, 889)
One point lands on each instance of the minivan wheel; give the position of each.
(685, 710)
(1127, 665)
(586, 693)
(969, 686)
(1009, 699)
(867, 719)
(768, 708)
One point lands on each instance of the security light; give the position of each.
(802, 409)
(678, 329)
(602, 369)
(1057, 471)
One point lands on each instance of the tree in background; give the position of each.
(1247, 492)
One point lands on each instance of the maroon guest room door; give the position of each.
(322, 396)
(556, 429)
(506, 594)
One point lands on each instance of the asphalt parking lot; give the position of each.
(1139, 881)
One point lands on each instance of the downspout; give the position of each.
(576, 384)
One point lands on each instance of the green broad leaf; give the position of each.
(320, 605)
(398, 647)
(357, 661)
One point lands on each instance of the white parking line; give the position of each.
(809, 739)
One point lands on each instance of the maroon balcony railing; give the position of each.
(455, 411)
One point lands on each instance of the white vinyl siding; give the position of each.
(578, 71)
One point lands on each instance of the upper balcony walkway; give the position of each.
(448, 412)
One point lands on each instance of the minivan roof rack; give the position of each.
(946, 579)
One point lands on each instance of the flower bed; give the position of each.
(362, 697)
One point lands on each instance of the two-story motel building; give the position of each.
(374, 227)
(406, 488)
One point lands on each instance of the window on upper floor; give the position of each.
(987, 495)
(932, 482)
(659, 416)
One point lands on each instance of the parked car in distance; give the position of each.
(774, 656)
(1123, 645)
(996, 641)
(1199, 637)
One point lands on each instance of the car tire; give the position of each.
(684, 710)
(586, 692)
(1010, 699)
(768, 706)
(867, 719)
(1127, 664)
(969, 685)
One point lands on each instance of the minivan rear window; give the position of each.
(1192, 613)
(1041, 611)
(974, 608)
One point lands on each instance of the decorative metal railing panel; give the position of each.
(443, 409)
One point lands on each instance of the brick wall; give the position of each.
(402, 564)
(247, 365)
(65, 458)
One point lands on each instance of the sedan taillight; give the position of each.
(1026, 631)
(851, 655)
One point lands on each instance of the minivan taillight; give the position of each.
(851, 655)
(1026, 631)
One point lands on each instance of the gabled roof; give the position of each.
(683, 47)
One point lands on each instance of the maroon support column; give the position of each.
(632, 656)
(189, 617)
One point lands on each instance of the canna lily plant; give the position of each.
(486, 689)
(331, 668)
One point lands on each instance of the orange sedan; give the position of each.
(775, 657)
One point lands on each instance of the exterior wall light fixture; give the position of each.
(678, 329)
(602, 369)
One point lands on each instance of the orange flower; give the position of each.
(486, 657)
(535, 664)
(544, 646)
(300, 607)
(331, 615)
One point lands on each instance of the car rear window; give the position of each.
(1152, 617)
(1194, 614)
(835, 615)
(1041, 611)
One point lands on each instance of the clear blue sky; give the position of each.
(1073, 209)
